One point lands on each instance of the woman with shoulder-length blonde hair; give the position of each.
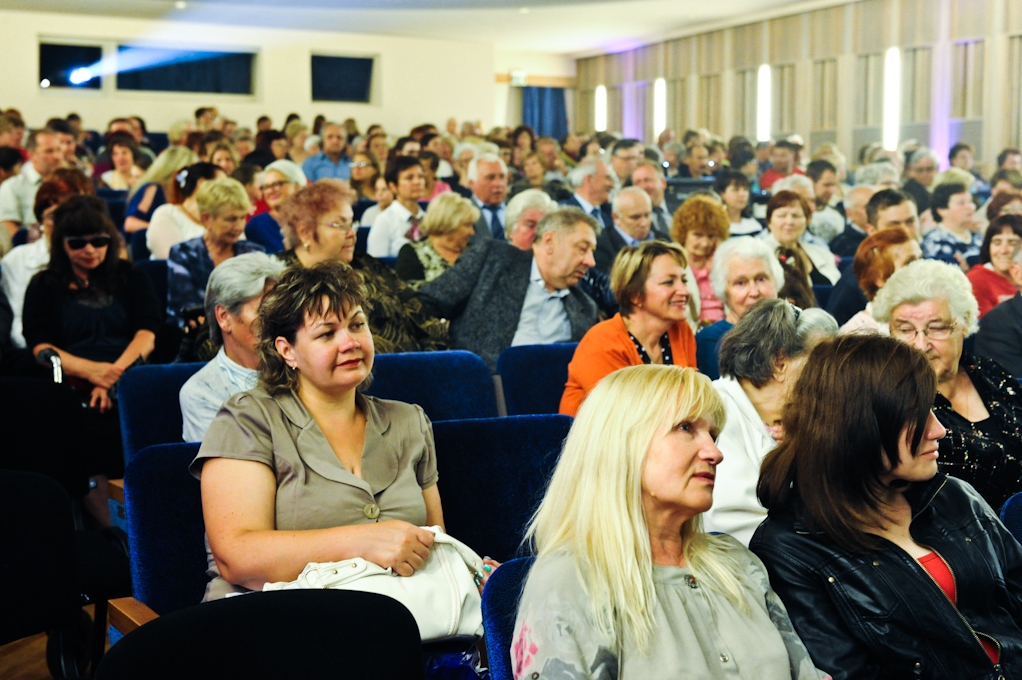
(626, 583)
(448, 225)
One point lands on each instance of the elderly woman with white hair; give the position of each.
(626, 584)
(524, 212)
(280, 179)
(760, 360)
(745, 270)
(930, 305)
(233, 294)
(449, 225)
(881, 175)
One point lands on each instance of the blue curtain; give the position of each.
(544, 111)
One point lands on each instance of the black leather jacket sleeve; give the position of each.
(816, 617)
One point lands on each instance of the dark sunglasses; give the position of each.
(79, 242)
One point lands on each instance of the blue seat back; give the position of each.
(447, 385)
(116, 204)
(20, 237)
(165, 528)
(500, 608)
(361, 240)
(158, 141)
(157, 271)
(147, 400)
(1011, 515)
(846, 262)
(137, 244)
(822, 294)
(534, 376)
(493, 474)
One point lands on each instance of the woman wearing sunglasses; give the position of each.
(100, 314)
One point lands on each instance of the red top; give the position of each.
(941, 573)
(768, 178)
(989, 287)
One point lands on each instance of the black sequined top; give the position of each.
(986, 454)
(665, 350)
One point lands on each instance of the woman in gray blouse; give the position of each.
(626, 584)
(304, 468)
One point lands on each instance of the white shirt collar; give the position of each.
(537, 279)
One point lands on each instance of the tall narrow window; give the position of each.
(659, 106)
(601, 108)
(892, 98)
(68, 65)
(763, 105)
(342, 79)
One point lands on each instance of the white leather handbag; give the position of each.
(442, 596)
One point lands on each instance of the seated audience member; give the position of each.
(856, 224)
(399, 223)
(224, 157)
(826, 222)
(19, 266)
(1006, 190)
(524, 212)
(699, 226)
(745, 270)
(632, 212)
(497, 296)
(862, 522)
(17, 194)
(626, 583)
(760, 360)
(695, 164)
(733, 188)
(125, 172)
(649, 282)
(787, 217)
(279, 182)
(877, 258)
(100, 314)
(953, 240)
(350, 451)
(592, 183)
(535, 171)
(223, 205)
(449, 225)
(270, 146)
(796, 289)
(487, 177)
(930, 306)
(180, 219)
(154, 186)
(995, 279)
(10, 163)
(649, 177)
(233, 294)
(879, 175)
(364, 173)
(922, 169)
(384, 197)
(297, 134)
(782, 164)
(1000, 335)
(1005, 203)
(317, 226)
(433, 187)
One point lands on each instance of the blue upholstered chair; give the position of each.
(500, 608)
(157, 271)
(1011, 515)
(361, 239)
(822, 294)
(493, 474)
(147, 400)
(158, 141)
(165, 528)
(533, 377)
(138, 247)
(447, 385)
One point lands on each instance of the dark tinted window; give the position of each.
(341, 79)
(57, 62)
(167, 70)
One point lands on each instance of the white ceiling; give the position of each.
(568, 27)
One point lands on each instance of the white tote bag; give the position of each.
(442, 596)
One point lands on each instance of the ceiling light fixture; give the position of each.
(45, 82)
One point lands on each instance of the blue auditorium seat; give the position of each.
(533, 377)
(822, 294)
(361, 239)
(138, 247)
(157, 271)
(1011, 515)
(20, 237)
(500, 609)
(493, 474)
(147, 400)
(158, 141)
(447, 385)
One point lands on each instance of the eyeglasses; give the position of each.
(361, 164)
(932, 332)
(79, 242)
(274, 186)
(343, 227)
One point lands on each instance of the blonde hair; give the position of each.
(446, 213)
(593, 507)
(170, 161)
(632, 268)
(223, 192)
(953, 176)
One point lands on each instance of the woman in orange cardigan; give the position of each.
(650, 286)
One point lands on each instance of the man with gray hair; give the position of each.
(632, 210)
(496, 295)
(524, 212)
(487, 178)
(331, 162)
(593, 183)
(233, 294)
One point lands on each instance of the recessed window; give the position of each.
(68, 65)
(342, 79)
(167, 70)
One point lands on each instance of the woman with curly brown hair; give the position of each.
(699, 225)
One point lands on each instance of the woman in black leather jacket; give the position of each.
(888, 568)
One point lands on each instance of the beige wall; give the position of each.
(418, 80)
(507, 100)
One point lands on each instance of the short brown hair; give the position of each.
(843, 426)
(873, 260)
(782, 199)
(998, 202)
(631, 269)
(702, 213)
(302, 294)
(308, 204)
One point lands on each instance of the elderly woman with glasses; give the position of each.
(280, 180)
(930, 305)
(449, 225)
(317, 223)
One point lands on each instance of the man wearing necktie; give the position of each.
(592, 182)
(487, 177)
(632, 211)
(649, 177)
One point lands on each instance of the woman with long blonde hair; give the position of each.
(626, 583)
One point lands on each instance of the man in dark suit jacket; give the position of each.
(487, 177)
(593, 184)
(856, 227)
(1000, 335)
(632, 212)
(497, 296)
